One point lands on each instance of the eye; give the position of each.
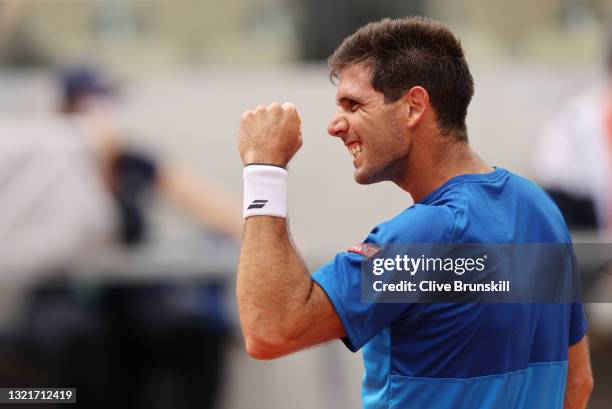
(349, 105)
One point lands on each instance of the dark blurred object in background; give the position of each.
(326, 23)
(18, 47)
(139, 346)
(80, 83)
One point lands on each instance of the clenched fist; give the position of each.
(270, 134)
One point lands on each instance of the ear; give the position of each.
(416, 104)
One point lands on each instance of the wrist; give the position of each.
(274, 160)
(265, 190)
(265, 164)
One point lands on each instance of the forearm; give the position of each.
(273, 285)
(281, 309)
(579, 384)
(577, 393)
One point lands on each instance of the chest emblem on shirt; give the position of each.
(367, 250)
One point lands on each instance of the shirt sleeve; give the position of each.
(341, 281)
(341, 278)
(578, 323)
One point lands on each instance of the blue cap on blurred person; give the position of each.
(81, 81)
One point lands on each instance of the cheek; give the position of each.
(366, 130)
(381, 136)
(395, 133)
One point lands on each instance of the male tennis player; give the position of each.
(403, 91)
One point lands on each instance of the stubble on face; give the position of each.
(386, 148)
(374, 126)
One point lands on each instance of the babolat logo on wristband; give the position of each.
(267, 181)
(257, 204)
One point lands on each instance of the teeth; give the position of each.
(354, 150)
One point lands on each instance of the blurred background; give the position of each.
(120, 182)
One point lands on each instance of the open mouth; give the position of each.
(355, 149)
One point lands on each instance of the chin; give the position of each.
(364, 178)
(374, 173)
(362, 181)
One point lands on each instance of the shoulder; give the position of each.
(535, 207)
(530, 189)
(417, 224)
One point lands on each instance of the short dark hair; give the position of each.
(411, 51)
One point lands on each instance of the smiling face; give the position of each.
(373, 131)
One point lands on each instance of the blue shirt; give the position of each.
(460, 355)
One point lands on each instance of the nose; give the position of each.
(338, 125)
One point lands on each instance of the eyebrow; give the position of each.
(346, 99)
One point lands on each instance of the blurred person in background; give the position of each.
(72, 192)
(573, 156)
(573, 162)
(130, 172)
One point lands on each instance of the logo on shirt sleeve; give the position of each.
(367, 250)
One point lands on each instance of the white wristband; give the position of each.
(265, 191)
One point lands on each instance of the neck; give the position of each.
(430, 165)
